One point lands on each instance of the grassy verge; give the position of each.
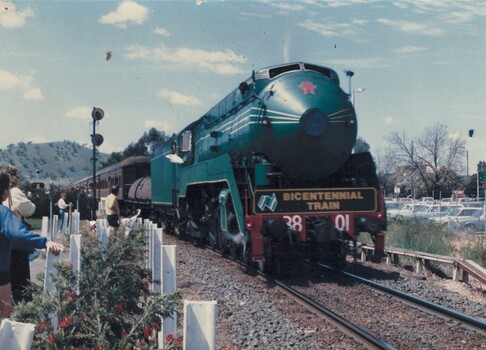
(430, 238)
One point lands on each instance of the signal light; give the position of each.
(97, 114)
(97, 139)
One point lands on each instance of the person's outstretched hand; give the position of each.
(54, 247)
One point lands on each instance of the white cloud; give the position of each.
(107, 147)
(409, 49)
(161, 125)
(412, 27)
(373, 62)
(161, 31)
(126, 12)
(220, 62)
(177, 98)
(10, 81)
(329, 29)
(37, 139)
(34, 94)
(389, 120)
(10, 17)
(80, 112)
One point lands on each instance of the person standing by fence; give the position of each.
(22, 208)
(112, 209)
(61, 203)
(14, 234)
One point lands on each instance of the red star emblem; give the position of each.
(308, 87)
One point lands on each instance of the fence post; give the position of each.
(156, 254)
(49, 283)
(45, 226)
(54, 228)
(168, 285)
(199, 325)
(16, 335)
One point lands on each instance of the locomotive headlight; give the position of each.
(314, 122)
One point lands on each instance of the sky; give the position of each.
(415, 63)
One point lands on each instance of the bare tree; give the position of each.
(435, 155)
(385, 167)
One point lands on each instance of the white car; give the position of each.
(455, 216)
(408, 211)
(433, 211)
(470, 224)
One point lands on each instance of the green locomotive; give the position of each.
(269, 171)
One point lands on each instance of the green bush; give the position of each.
(420, 235)
(475, 250)
(107, 306)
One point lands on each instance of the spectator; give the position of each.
(22, 208)
(14, 234)
(112, 209)
(61, 203)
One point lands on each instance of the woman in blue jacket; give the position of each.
(13, 234)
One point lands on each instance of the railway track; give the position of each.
(368, 318)
(361, 335)
(435, 309)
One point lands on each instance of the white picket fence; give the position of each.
(199, 331)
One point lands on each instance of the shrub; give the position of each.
(420, 235)
(106, 306)
(475, 250)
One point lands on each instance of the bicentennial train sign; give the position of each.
(315, 200)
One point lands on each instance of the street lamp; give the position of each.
(349, 74)
(357, 91)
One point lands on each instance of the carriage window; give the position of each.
(186, 139)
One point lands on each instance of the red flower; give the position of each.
(70, 294)
(118, 308)
(124, 334)
(97, 347)
(129, 268)
(65, 322)
(178, 341)
(147, 332)
(156, 326)
(51, 339)
(169, 337)
(42, 326)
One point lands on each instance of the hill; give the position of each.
(59, 162)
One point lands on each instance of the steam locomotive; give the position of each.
(269, 172)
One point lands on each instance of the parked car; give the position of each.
(433, 211)
(408, 211)
(471, 224)
(456, 216)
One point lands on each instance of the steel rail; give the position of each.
(347, 327)
(470, 321)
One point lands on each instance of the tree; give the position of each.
(435, 156)
(385, 168)
(143, 147)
